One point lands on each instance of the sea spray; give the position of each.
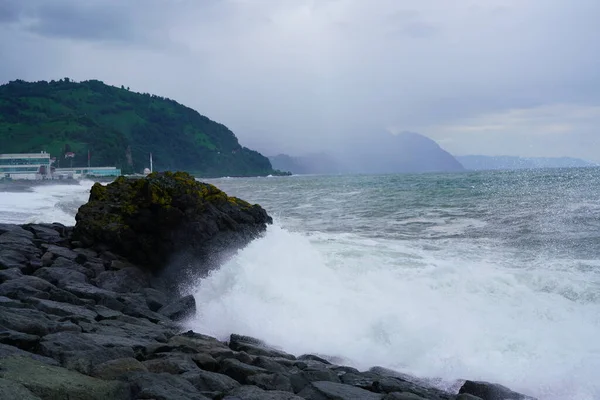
(402, 308)
(491, 275)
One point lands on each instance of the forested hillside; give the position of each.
(118, 128)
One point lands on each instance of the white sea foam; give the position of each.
(420, 301)
(44, 203)
(390, 303)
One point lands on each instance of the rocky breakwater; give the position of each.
(87, 313)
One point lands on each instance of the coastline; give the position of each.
(91, 312)
(93, 322)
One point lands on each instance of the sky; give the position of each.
(493, 77)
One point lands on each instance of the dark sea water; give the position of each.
(491, 275)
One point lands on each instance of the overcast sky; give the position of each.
(516, 77)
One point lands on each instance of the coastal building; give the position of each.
(86, 172)
(38, 166)
(26, 166)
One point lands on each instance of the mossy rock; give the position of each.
(153, 220)
(33, 379)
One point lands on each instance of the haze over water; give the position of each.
(491, 275)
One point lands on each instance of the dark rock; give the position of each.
(63, 296)
(82, 351)
(49, 382)
(8, 274)
(127, 280)
(18, 291)
(88, 253)
(106, 255)
(206, 381)
(313, 358)
(45, 233)
(270, 364)
(62, 262)
(402, 396)
(118, 368)
(33, 265)
(142, 331)
(100, 296)
(180, 309)
(206, 362)
(155, 299)
(171, 363)
(106, 313)
(47, 259)
(26, 248)
(389, 373)
(154, 348)
(12, 303)
(11, 238)
(393, 381)
(60, 251)
(491, 391)
(60, 277)
(242, 356)
(255, 347)
(63, 309)
(31, 284)
(303, 378)
(135, 306)
(336, 391)
(63, 230)
(391, 384)
(28, 321)
(152, 219)
(465, 396)
(12, 259)
(276, 381)
(12, 390)
(120, 264)
(15, 230)
(361, 380)
(147, 385)
(21, 340)
(94, 268)
(310, 364)
(220, 353)
(238, 370)
(10, 351)
(256, 393)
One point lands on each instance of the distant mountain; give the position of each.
(119, 127)
(320, 163)
(407, 152)
(477, 162)
(381, 153)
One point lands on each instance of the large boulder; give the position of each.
(166, 218)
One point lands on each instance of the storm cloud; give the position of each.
(516, 77)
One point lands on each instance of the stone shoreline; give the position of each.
(79, 323)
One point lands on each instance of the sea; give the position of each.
(489, 276)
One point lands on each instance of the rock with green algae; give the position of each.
(35, 380)
(153, 221)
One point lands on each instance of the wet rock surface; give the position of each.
(81, 322)
(164, 219)
(83, 329)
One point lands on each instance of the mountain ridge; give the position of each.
(119, 127)
(406, 152)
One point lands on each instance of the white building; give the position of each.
(25, 166)
(83, 172)
(34, 166)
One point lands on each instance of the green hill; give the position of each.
(119, 128)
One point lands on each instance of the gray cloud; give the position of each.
(83, 21)
(304, 75)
